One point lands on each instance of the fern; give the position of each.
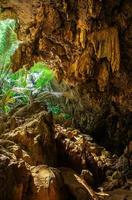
(8, 41)
(8, 45)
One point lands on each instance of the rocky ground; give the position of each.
(40, 160)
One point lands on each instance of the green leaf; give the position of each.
(8, 41)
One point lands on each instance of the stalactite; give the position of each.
(103, 76)
(106, 45)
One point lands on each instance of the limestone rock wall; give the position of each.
(28, 157)
(88, 44)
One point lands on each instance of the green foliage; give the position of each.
(8, 41)
(42, 74)
(54, 108)
(67, 116)
(57, 110)
(8, 45)
(24, 86)
(6, 100)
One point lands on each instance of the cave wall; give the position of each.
(88, 43)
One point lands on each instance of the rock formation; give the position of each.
(88, 44)
(28, 158)
(40, 161)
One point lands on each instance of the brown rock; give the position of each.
(14, 177)
(77, 186)
(44, 184)
(36, 136)
(74, 37)
(80, 153)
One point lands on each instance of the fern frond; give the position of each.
(8, 42)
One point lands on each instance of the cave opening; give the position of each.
(65, 99)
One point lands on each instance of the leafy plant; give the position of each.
(6, 100)
(33, 82)
(8, 45)
(55, 109)
(26, 86)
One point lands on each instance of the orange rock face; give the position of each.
(28, 162)
(88, 44)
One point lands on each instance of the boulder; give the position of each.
(35, 135)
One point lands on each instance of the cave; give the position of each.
(65, 99)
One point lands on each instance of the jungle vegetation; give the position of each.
(26, 85)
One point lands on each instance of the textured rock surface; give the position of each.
(120, 194)
(35, 135)
(57, 184)
(14, 175)
(45, 184)
(27, 157)
(74, 34)
(88, 43)
(80, 153)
